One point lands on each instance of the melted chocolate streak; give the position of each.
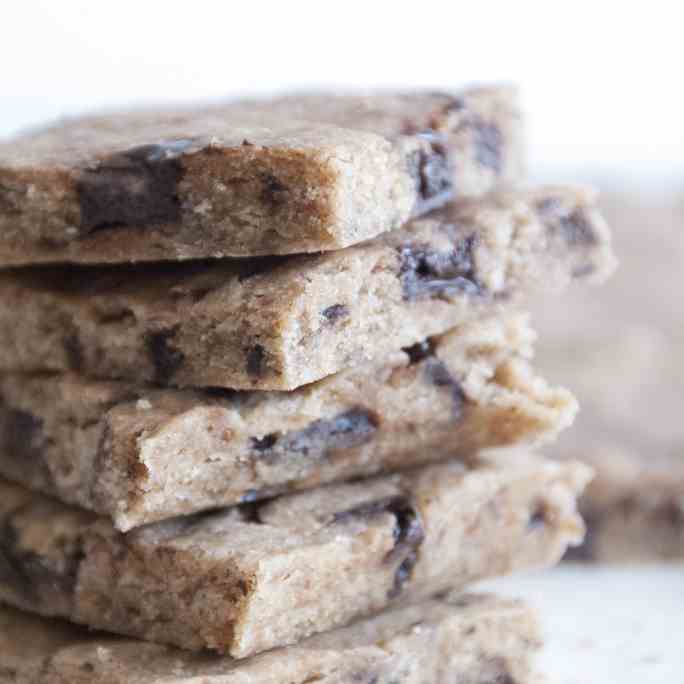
(408, 533)
(345, 431)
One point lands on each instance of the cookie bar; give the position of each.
(635, 507)
(250, 578)
(140, 454)
(295, 174)
(629, 384)
(465, 638)
(278, 324)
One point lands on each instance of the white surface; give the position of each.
(601, 80)
(607, 625)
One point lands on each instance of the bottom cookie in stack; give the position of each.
(465, 638)
(253, 577)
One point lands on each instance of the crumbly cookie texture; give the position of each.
(282, 322)
(250, 578)
(465, 638)
(629, 384)
(140, 454)
(296, 174)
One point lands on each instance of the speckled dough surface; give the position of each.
(142, 454)
(478, 639)
(280, 324)
(295, 174)
(247, 579)
(623, 352)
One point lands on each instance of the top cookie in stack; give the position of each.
(147, 391)
(297, 174)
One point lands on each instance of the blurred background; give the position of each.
(601, 84)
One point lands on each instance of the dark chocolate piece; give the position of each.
(427, 273)
(345, 431)
(575, 226)
(438, 374)
(577, 229)
(134, 188)
(274, 192)
(255, 360)
(408, 533)
(433, 173)
(333, 313)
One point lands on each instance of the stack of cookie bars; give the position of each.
(254, 361)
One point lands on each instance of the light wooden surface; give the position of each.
(607, 625)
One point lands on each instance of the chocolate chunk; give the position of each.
(73, 350)
(274, 192)
(165, 357)
(403, 575)
(134, 188)
(427, 273)
(265, 443)
(574, 225)
(29, 575)
(408, 533)
(333, 313)
(255, 360)
(578, 229)
(368, 509)
(419, 351)
(438, 374)
(345, 431)
(488, 145)
(433, 173)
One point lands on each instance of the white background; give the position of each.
(602, 80)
